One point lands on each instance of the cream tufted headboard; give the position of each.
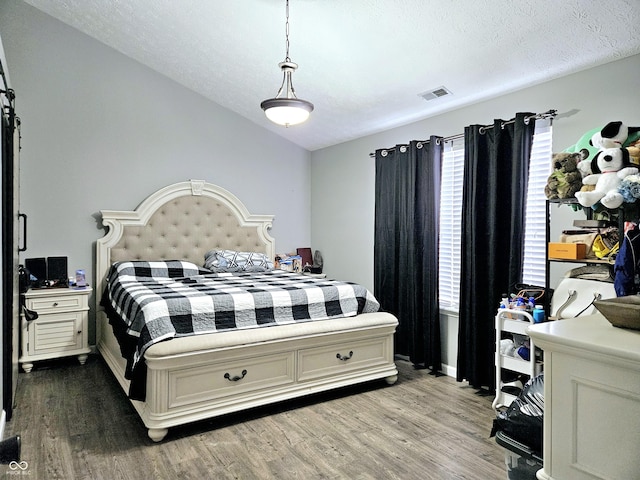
(181, 222)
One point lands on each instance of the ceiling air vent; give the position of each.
(435, 93)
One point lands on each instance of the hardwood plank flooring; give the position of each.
(76, 423)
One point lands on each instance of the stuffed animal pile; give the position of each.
(613, 134)
(607, 157)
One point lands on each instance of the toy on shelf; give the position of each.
(566, 179)
(609, 168)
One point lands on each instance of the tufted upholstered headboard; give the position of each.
(182, 221)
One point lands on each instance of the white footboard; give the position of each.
(234, 371)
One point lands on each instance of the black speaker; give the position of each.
(57, 270)
(37, 268)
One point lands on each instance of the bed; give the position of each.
(192, 378)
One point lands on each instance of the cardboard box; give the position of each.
(569, 251)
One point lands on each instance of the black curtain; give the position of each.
(493, 208)
(407, 192)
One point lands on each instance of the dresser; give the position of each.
(61, 328)
(592, 399)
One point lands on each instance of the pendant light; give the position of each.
(287, 109)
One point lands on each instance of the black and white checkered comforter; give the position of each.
(162, 300)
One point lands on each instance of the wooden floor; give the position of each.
(76, 423)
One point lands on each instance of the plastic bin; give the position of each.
(522, 462)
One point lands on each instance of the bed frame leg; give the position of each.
(157, 434)
(391, 380)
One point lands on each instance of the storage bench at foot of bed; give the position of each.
(234, 371)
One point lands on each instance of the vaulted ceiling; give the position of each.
(363, 63)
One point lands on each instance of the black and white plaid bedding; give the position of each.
(162, 300)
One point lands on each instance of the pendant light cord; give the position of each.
(286, 33)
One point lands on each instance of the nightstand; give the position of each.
(61, 328)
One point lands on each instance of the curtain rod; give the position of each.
(548, 114)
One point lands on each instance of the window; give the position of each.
(450, 219)
(535, 231)
(451, 215)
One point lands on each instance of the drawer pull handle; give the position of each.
(55, 304)
(236, 378)
(343, 358)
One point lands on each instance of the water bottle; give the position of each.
(504, 303)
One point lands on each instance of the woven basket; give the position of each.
(623, 312)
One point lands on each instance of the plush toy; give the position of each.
(634, 152)
(587, 188)
(612, 135)
(609, 167)
(565, 180)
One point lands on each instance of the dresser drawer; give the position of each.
(237, 377)
(344, 357)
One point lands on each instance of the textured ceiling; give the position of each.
(362, 63)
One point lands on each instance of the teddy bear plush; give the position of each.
(634, 152)
(609, 167)
(565, 180)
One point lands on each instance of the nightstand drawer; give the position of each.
(56, 303)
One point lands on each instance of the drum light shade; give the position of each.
(287, 111)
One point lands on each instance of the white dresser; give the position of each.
(61, 328)
(592, 399)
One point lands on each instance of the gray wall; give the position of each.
(342, 201)
(102, 131)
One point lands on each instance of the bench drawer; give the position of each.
(344, 357)
(237, 377)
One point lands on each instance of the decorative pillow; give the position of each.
(232, 261)
(158, 269)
